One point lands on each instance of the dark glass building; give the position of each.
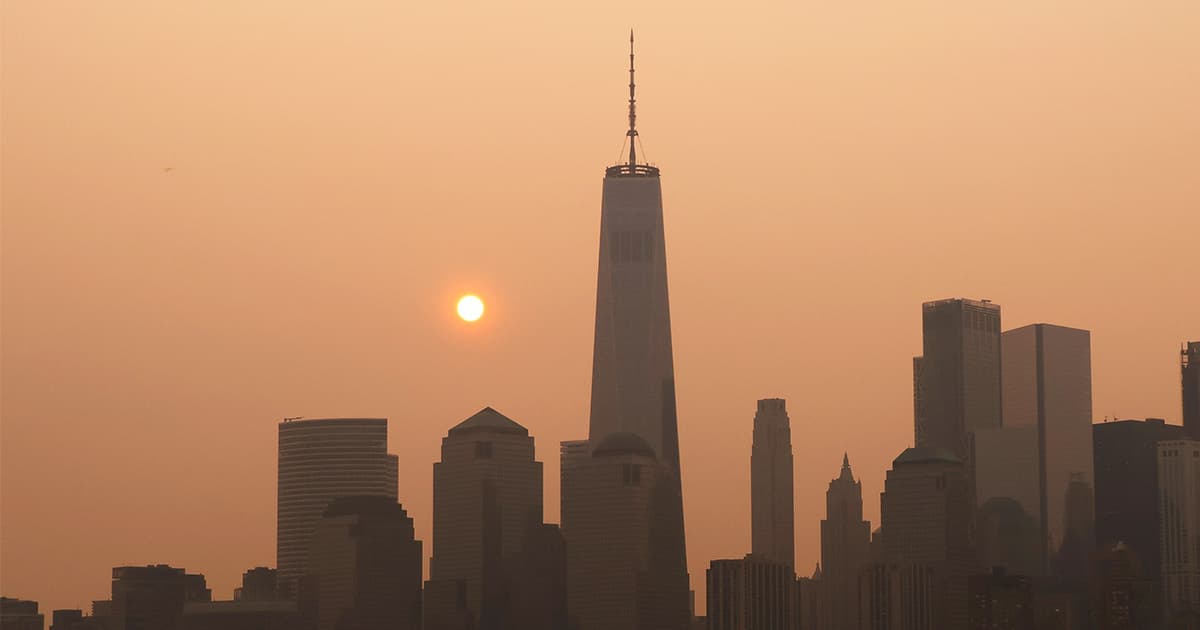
(1126, 489)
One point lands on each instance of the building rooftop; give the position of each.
(488, 419)
(925, 455)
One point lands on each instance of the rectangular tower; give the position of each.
(1047, 385)
(959, 373)
(771, 502)
(1189, 373)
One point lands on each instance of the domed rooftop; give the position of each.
(926, 455)
(488, 419)
(623, 443)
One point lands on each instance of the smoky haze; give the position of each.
(219, 215)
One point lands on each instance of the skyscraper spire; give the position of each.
(632, 133)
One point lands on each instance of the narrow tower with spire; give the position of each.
(772, 526)
(632, 412)
(845, 547)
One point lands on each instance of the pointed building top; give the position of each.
(488, 419)
(817, 572)
(847, 474)
(631, 167)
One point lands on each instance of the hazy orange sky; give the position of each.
(343, 171)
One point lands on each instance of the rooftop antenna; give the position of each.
(632, 133)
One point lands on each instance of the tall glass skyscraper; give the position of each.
(321, 460)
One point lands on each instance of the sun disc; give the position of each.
(470, 308)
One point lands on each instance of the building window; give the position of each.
(631, 246)
(483, 449)
(631, 474)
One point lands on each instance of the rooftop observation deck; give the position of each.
(631, 170)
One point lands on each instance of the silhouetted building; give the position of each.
(811, 606)
(633, 374)
(1000, 601)
(752, 594)
(1189, 372)
(1007, 537)
(1079, 540)
(66, 619)
(845, 547)
(897, 596)
(1122, 597)
(152, 597)
(1126, 489)
(920, 418)
(1047, 377)
(1179, 515)
(999, 452)
(321, 460)
(258, 584)
(536, 582)
(959, 373)
(242, 615)
(487, 494)
(365, 566)
(20, 614)
(926, 516)
(771, 497)
(625, 564)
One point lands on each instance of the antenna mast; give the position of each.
(632, 133)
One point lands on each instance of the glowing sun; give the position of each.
(470, 308)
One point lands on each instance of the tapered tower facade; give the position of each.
(772, 531)
(633, 376)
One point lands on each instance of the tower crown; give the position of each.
(632, 168)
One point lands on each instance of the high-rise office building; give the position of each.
(1189, 375)
(752, 593)
(321, 460)
(1127, 490)
(925, 519)
(1047, 385)
(845, 547)
(1122, 596)
(633, 375)
(258, 584)
(897, 596)
(152, 597)
(959, 372)
(625, 562)
(772, 531)
(487, 495)
(1179, 518)
(535, 595)
(365, 566)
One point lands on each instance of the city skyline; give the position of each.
(481, 360)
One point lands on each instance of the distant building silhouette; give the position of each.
(810, 591)
(1179, 515)
(845, 548)
(365, 566)
(321, 460)
(1006, 536)
(20, 614)
(242, 615)
(1000, 601)
(997, 453)
(1189, 373)
(258, 584)
(925, 520)
(535, 595)
(625, 562)
(959, 373)
(771, 497)
(897, 596)
(152, 597)
(1127, 490)
(66, 619)
(752, 594)
(1047, 377)
(487, 495)
(1122, 597)
(920, 417)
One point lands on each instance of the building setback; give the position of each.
(1047, 387)
(771, 497)
(1179, 518)
(845, 548)
(487, 495)
(321, 460)
(1127, 489)
(624, 558)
